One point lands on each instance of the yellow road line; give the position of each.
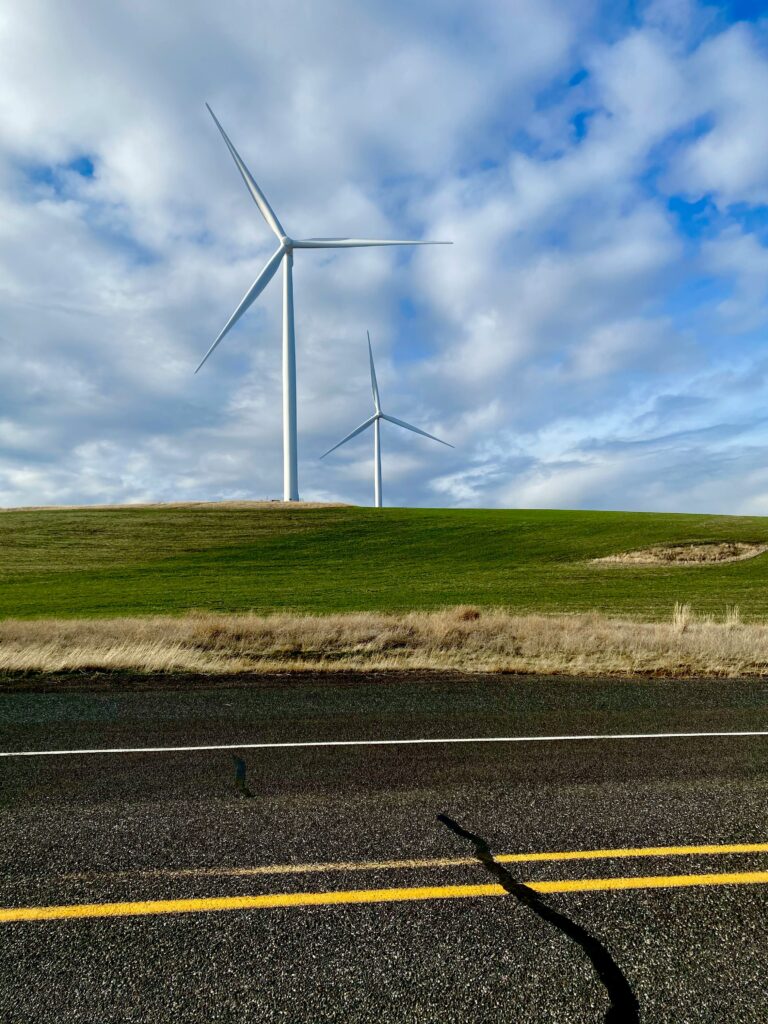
(652, 882)
(310, 899)
(635, 851)
(436, 862)
(268, 901)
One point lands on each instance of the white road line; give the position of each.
(380, 743)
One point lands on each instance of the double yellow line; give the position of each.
(273, 901)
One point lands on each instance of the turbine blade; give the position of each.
(374, 385)
(358, 430)
(416, 430)
(354, 243)
(258, 196)
(253, 293)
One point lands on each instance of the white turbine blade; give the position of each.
(349, 437)
(416, 430)
(258, 196)
(374, 385)
(354, 243)
(253, 293)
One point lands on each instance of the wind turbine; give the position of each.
(375, 420)
(284, 253)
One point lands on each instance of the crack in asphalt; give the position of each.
(623, 1007)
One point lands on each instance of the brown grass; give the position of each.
(689, 554)
(465, 639)
(216, 505)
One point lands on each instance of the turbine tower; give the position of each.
(284, 255)
(375, 420)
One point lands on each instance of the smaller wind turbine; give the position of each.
(375, 420)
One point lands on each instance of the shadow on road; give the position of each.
(240, 783)
(624, 1008)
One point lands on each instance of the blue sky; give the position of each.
(594, 338)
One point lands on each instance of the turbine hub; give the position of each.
(287, 243)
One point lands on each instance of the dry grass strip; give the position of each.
(689, 554)
(216, 506)
(463, 638)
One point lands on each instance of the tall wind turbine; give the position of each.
(284, 253)
(375, 420)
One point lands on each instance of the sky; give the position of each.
(594, 338)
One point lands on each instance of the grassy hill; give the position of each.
(132, 561)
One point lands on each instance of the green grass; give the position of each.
(141, 561)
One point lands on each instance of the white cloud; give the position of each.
(729, 79)
(570, 304)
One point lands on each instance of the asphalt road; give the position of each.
(110, 828)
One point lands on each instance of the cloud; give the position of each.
(580, 343)
(727, 77)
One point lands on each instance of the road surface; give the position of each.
(252, 882)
